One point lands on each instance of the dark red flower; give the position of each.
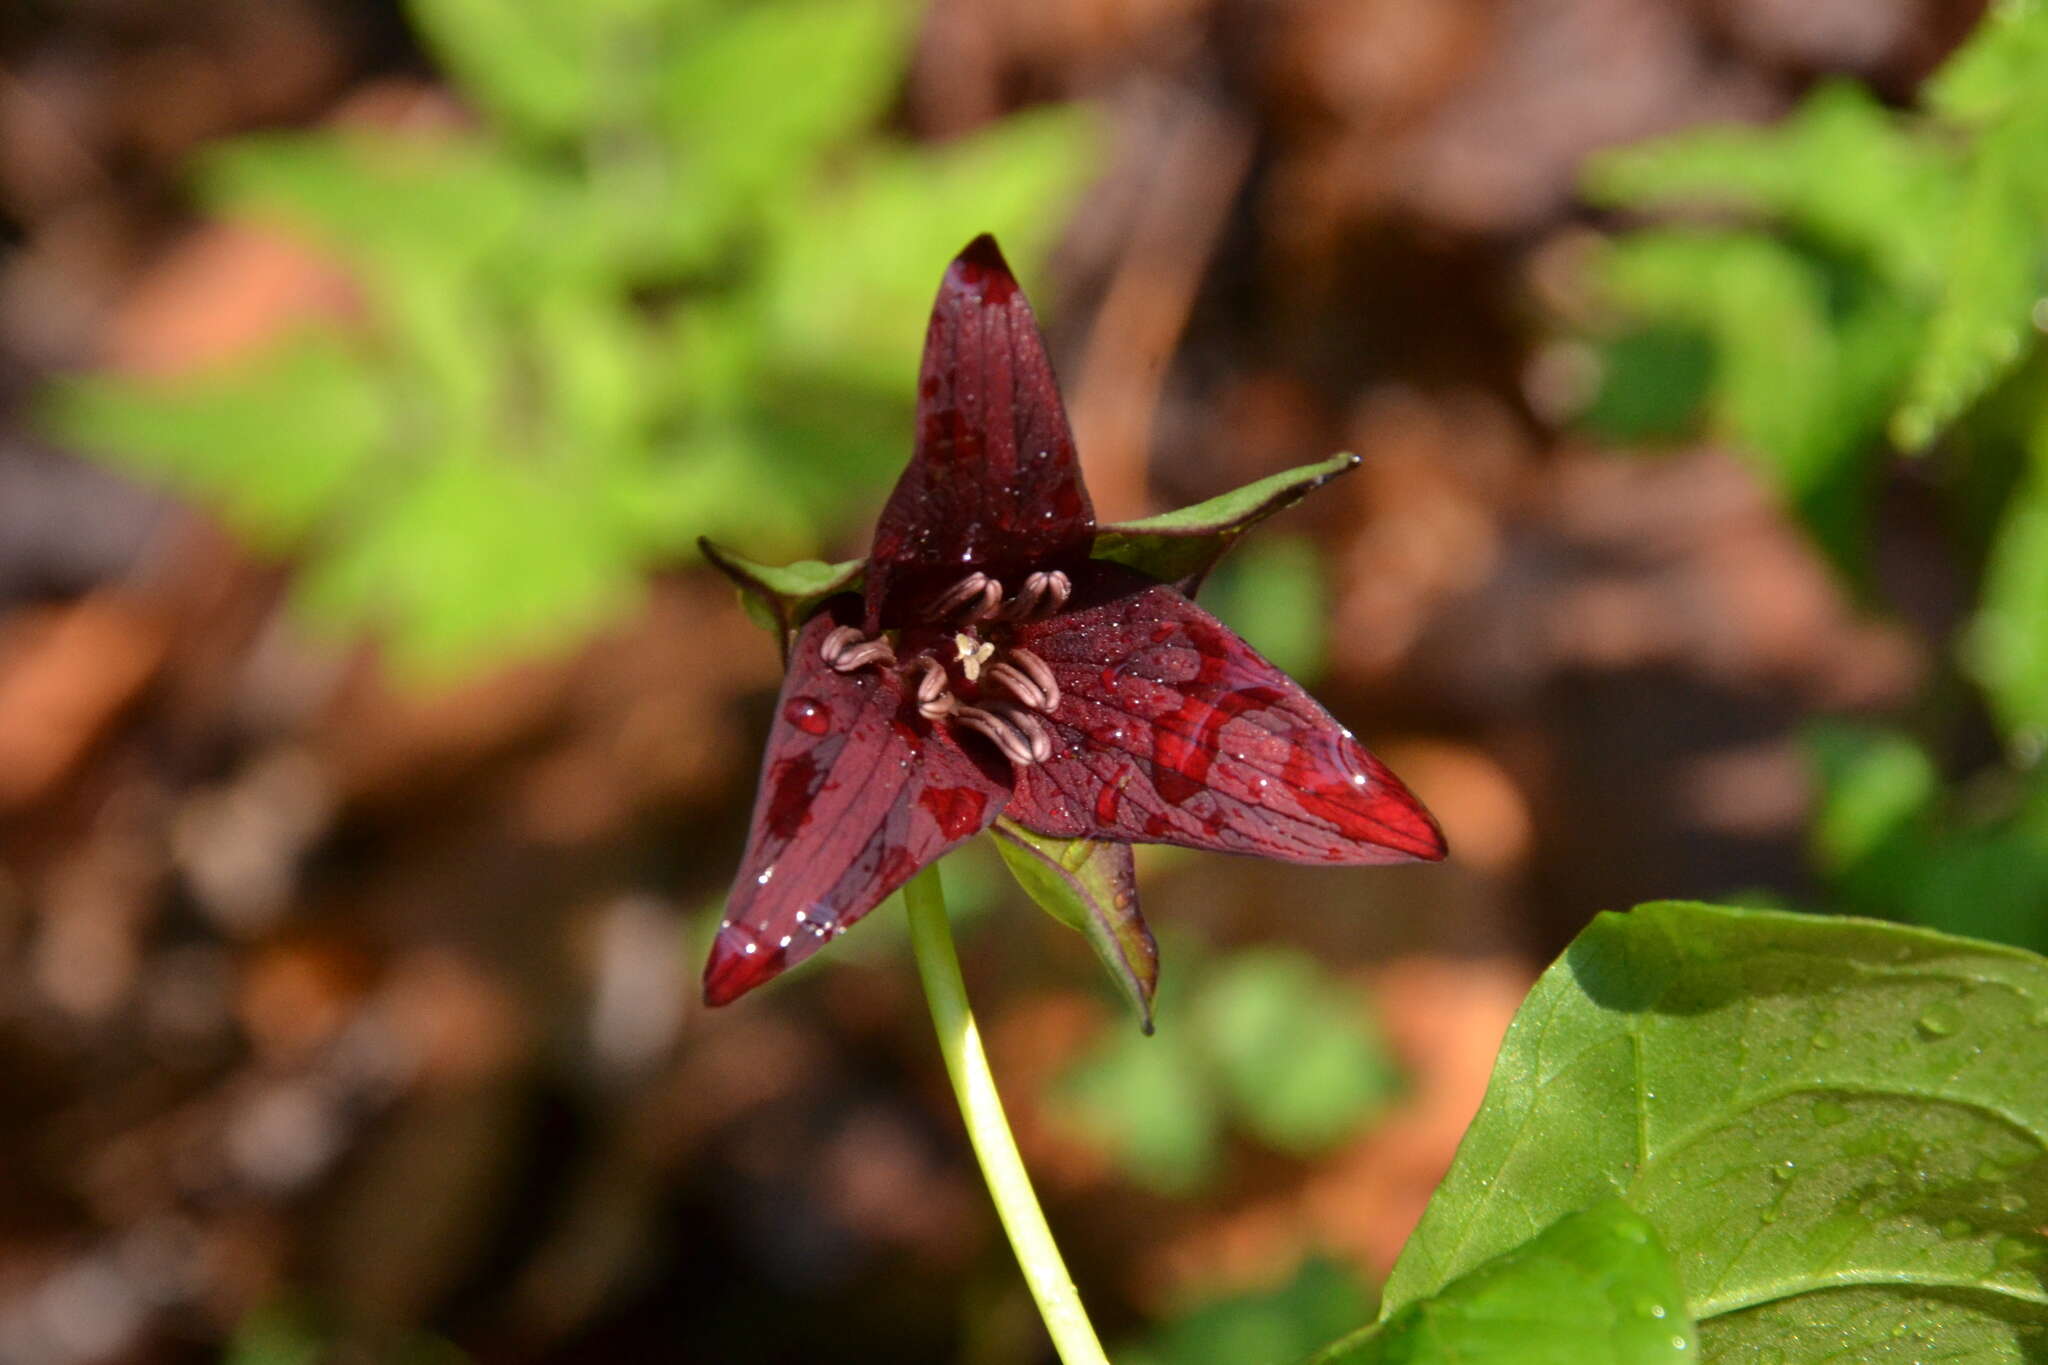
(1006, 659)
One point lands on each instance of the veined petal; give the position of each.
(994, 484)
(857, 793)
(1171, 729)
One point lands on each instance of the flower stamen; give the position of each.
(934, 701)
(964, 594)
(1039, 587)
(1040, 673)
(1019, 747)
(845, 649)
(1017, 685)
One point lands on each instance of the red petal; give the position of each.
(1176, 732)
(857, 793)
(994, 483)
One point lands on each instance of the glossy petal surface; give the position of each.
(994, 484)
(1173, 730)
(857, 793)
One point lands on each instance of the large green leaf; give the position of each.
(1595, 1288)
(1182, 546)
(1837, 1127)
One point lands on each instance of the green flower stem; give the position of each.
(931, 937)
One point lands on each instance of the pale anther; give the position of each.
(972, 654)
(837, 641)
(1017, 685)
(1038, 739)
(979, 593)
(934, 680)
(1016, 746)
(1039, 672)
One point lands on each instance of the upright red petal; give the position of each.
(857, 793)
(993, 484)
(1173, 730)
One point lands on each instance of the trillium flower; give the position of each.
(1001, 660)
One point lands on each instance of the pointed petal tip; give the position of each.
(737, 965)
(984, 252)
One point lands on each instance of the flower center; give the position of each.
(1011, 689)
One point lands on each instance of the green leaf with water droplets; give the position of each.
(1836, 1126)
(1181, 547)
(1595, 1288)
(1091, 887)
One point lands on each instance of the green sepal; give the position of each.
(1594, 1288)
(781, 597)
(1181, 547)
(1091, 887)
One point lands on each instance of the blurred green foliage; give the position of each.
(1855, 285)
(673, 284)
(1322, 1301)
(1261, 1040)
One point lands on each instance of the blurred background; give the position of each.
(375, 751)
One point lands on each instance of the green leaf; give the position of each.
(1181, 547)
(1149, 1102)
(474, 561)
(1323, 1299)
(1297, 1057)
(273, 444)
(763, 93)
(2006, 645)
(782, 597)
(1998, 71)
(1837, 1127)
(1873, 784)
(848, 276)
(1805, 363)
(1842, 168)
(1594, 1288)
(541, 67)
(1093, 888)
(1982, 324)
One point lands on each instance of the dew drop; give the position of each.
(1824, 1040)
(1940, 1019)
(1828, 1113)
(1784, 1170)
(1955, 1229)
(807, 715)
(2010, 1201)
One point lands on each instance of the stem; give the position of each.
(931, 938)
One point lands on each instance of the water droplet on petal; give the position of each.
(807, 715)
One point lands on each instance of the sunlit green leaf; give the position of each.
(1594, 1288)
(1182, 546)
(274, 443)
(1272, 594)
(1982, 324)
(1997, 72)
(1836, 1126)
(782, 596)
